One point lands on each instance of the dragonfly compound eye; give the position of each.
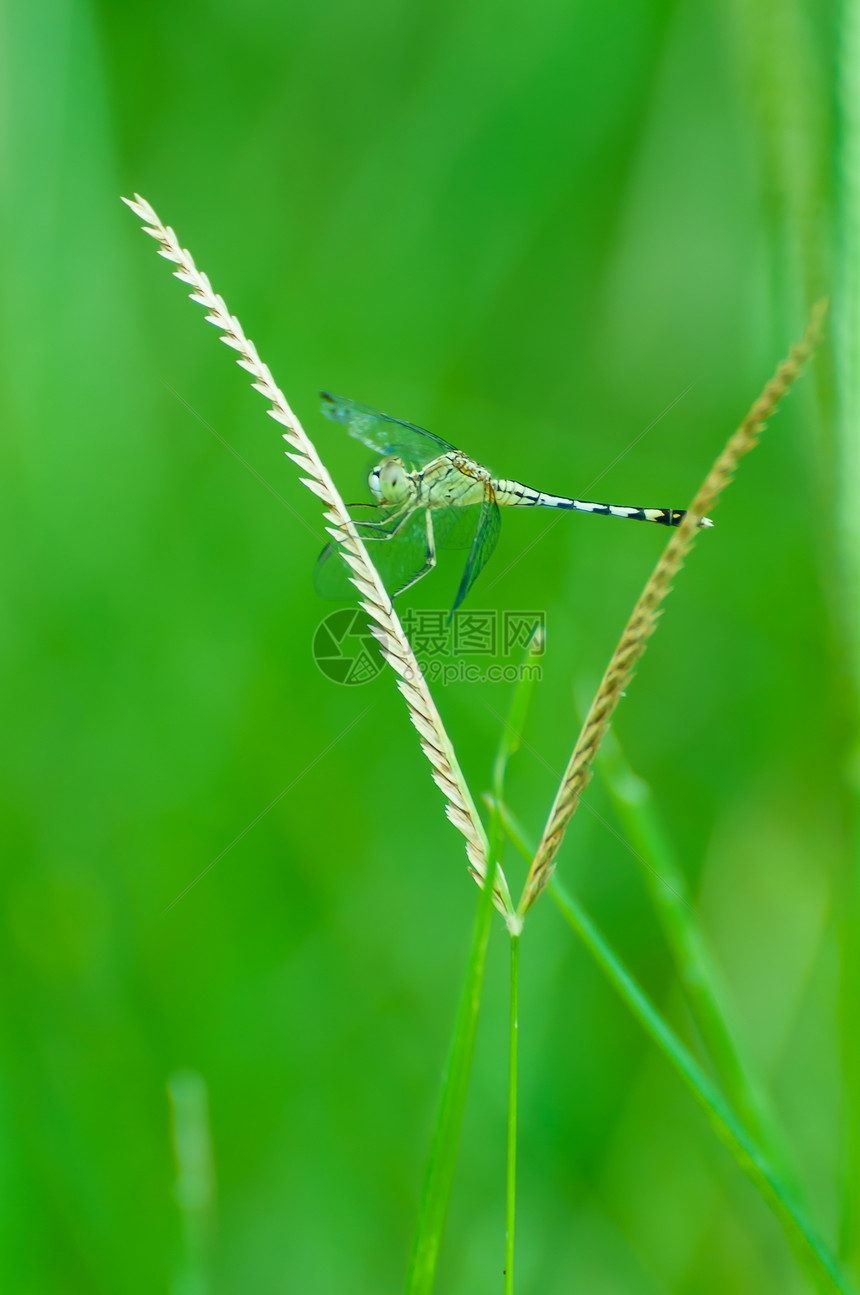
(392, 481)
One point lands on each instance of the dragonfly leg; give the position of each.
(430, 560)
(384, 527)
(413, 550)
(388, 532)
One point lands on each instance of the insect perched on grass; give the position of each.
(430, 495)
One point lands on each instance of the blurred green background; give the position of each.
(538, 231)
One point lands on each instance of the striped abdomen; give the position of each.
(514, 494)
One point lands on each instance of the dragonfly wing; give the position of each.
(384, 434)
(398, 550)
(331, 577)
(405, 556)
(483, 543)
(454, 528)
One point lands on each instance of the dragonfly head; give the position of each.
(389, 482)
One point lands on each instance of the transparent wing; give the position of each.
(398, 549)
(384, 434)
(483, 543)
(331, 577)
(454, 528)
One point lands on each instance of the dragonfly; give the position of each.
(428, 495)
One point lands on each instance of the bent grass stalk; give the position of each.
(374, 599)
(643, 620)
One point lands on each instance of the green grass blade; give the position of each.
(810, 1250)
(195, 1178)
(806, 1243)
(442, 1159)
(699, 977)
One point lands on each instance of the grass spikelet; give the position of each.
(643, 620)
(393, 642)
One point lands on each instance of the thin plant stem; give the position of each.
(442, 1158)
(809, 1248)
(645, 615)
(509, 741)
(700, 980)
(511, 1177)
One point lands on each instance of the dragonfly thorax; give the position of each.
(390, 483)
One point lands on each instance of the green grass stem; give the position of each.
(698, 974)
(442, 1159)
(809, 1248)
(509, 742)
(511, 1176)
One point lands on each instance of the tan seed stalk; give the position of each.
(374, 599)
(643, 620)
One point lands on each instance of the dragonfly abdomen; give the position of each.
(515, 494)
